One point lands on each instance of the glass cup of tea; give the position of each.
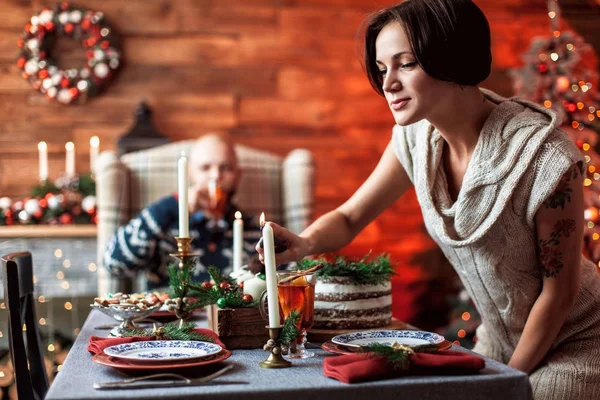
(296, 292)
(217, 201)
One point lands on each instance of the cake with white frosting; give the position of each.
(340, 303)
(354, 295)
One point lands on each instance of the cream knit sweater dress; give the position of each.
(489, 236)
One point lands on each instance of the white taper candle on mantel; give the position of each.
(70, 160)
(94, 148)
(182, 179)
(43, 167)
(271, 275)
(238, 241)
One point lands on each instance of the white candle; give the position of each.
(271, 274)
(70, 160)
(94, 145)
(182, 176)
(238, 241)
(43, 150)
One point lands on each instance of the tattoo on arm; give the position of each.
(562, 194)
(551, 258)
(550, 253)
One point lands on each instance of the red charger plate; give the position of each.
(114, 362)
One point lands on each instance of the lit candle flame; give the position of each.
(70, 146)
(238, 215)
(95, 141)
(262, 219)
(42, 146)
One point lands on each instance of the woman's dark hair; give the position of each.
(450, 40)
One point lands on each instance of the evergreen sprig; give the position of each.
(361, 272)
(398, 357)
(172, 331)
(182, 285)
(290, 330)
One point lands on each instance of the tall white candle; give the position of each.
(43, 151)
(238, 241)
(70, 160)
(271, 274)
(94, 146)
(182, 177)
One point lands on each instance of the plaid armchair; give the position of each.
(281, 187)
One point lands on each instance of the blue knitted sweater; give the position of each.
(144, 244)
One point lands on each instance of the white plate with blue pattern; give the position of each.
(387, 337)
(163, 350)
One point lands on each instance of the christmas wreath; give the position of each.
(72, 85)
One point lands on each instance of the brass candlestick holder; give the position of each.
(185, 255)
(275, 359)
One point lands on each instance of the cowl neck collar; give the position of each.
(506, 148)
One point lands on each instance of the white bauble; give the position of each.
(101, 70)
(45, 16)
(31, 66)
(23, 216)
(64, 96)
(52, 91)
(5, 203)
(63, 17)
(31, 206)
(88, 203)
(33, 44)
(254, 287)
(75, 16)
(54, 202)
(241, 275)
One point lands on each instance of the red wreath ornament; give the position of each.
(70, 86)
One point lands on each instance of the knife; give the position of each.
(160, 384)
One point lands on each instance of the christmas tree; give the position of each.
(560, 72)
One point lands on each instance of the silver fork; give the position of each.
(177, 380)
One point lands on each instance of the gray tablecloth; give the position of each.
(305, 380)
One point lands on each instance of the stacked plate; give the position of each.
(162, 354)
(349, 343)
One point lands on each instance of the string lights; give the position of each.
(560, 72)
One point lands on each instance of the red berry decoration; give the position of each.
(206, 285)
(241, 285)
(247, 298)
(224, 285)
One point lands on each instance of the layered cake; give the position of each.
(341, 303)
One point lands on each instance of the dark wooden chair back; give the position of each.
(28, 360)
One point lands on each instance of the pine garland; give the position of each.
(361, 272)
(183, 286)
(398, 355)
(172, 331)
(290, 330)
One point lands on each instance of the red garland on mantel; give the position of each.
(73, 85)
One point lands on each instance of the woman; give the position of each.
(500, 189)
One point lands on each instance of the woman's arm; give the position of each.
(334, 230)
(559, 225)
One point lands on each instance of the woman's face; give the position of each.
(411, 94)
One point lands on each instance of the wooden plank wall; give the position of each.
(275, 74)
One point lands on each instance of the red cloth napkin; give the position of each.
(366, 367)
(98, 344)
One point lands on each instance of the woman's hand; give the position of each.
(297, 247)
